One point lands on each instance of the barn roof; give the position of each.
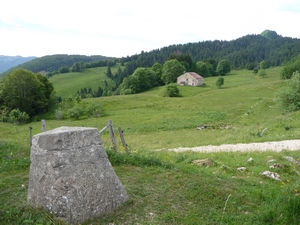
(195, 75)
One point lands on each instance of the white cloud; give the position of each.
(121, 28)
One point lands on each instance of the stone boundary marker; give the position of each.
(71, 176)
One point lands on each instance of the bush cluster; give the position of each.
(15, 116)
(73, 108)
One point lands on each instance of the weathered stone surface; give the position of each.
(71, 176)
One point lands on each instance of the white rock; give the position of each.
(241, 169)
(250, 160)
(271, 175)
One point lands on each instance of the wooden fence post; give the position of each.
(43, 125)
(30, 136)
(112, 134)
(122, 139)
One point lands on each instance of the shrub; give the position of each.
(289, 95)
(292, 66)
(75, 112)
(127, 92)
(263, 73)
(15, 116)
(220, 82)
(172, 91)
(72, 107)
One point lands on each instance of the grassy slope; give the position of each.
(164, 188)
(69, 83)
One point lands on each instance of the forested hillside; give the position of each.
(52, 63)
(245, 52)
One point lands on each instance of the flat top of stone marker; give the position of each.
(64, 129)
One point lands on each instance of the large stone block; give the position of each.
(71, 176)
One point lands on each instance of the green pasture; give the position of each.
(67, 84)
(164, 187)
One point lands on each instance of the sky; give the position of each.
(118, 28)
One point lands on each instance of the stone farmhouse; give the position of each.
(191, 79)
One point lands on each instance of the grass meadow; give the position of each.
(164, 187)
(69, 83)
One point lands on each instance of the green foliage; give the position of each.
(30, 93)
(291, 66)
(270, 34)
(172, 91)
(64, 69)
(220, 82)
(171, 70)
(109, 73)
(223, 67)
(263, 65)
(73, 107)
(262, 73)
(157, 68)
(289, 95)
(184, 59)
(78, 67)
(243, 53)
(16, 117)
(203, 69)
(141, 80)
(255, 70)
(75, 112)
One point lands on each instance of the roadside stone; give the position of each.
(71, 176)
(271, 175)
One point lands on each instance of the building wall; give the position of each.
(189, 80)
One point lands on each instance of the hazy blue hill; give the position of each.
(7, 62)
(52, 63)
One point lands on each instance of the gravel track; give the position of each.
(277, 146)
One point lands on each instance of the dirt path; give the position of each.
(291, 145)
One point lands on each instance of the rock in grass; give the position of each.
(241, 169)
(71, 176)
(271, 175)
(203, 162)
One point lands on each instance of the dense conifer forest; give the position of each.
(243, 53)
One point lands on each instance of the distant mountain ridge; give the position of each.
(52, 63)
(243, 53)
(7, 62)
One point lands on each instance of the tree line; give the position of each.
(243, 53)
